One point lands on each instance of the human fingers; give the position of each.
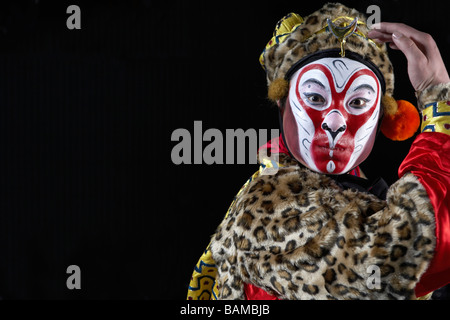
(393, 27)
(392, 45)
(383, 38)
(380, 36)
(423, 40)
(409, 48)
(425, 64)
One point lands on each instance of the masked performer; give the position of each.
(306, 225)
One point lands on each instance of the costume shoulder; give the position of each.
(298, 235)
(428, 160)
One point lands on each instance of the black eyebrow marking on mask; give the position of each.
(314, 81)
(365, 86)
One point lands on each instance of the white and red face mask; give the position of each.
(331, 115)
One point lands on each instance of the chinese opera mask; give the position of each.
(331, 114)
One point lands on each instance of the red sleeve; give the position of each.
(429, 161)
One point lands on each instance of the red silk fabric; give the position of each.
(429, 161)
(254, 293)
(276, 145)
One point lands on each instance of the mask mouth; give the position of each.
(335, 53)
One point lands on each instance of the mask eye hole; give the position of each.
(358, 103)
(315, 99)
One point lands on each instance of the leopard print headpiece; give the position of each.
(338, 27)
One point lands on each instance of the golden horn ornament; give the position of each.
(342, 33)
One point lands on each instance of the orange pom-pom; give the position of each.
(403, 124)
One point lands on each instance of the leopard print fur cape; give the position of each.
(298, 235)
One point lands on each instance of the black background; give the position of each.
(86, 117)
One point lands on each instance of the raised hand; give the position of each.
(425, 64)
